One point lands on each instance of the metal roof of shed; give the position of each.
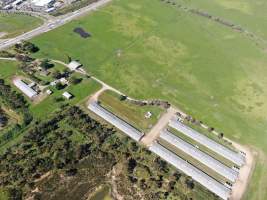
(199, 155)
(208, 182)
(27, 90)
(225, 152)
(115, 121)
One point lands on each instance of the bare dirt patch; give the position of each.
(2, 34)
(245, 173)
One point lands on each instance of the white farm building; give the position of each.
(74, 65)
(26, 89)
(67, 95)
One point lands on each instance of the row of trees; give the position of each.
(3, 118)
(15, 101)
(25, 47)
(47, 147)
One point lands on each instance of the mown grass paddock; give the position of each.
(210, 71)
(15, 24)
(131, 113)
(8, 69)
(247, 14)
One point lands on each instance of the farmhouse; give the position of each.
(67, 95)
(74, 65)
(26, 89)
(64, 81)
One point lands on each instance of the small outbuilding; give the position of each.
(43, 3)
(67, 95)
(64, 81)
(49, 92)
(148, 115)
(74, 65)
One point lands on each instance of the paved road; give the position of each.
(52, 24)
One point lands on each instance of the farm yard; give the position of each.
(42, 106)
(12, 25)
(52, 103)
(210, 71)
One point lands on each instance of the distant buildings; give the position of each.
(17, 2)
(49, 10)
(26, 89)
(43, 3)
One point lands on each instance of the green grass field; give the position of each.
(8, 69)
(150, 49)
(3, 195)
(248, 14)
(15, 24)
(133, 114)
(102, 194)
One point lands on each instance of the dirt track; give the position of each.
(150, 137)
(239, 188)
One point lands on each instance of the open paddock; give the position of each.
(132, 113)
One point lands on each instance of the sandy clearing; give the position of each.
(245, 173)
(154, 133)
(94, 97)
